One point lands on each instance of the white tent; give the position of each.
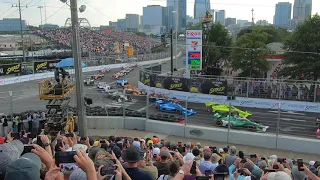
(3, 54)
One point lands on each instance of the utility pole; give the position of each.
(171, 41)
(21, 32)
(177, 29)
(252, 16)
(40, 7)
(82, 121)
(45, 11)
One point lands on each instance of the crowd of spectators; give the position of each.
(94, 41)
(265, 89)
(71, 157)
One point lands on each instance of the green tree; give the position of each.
(303, 49)
(217, 46)
(192, 26)
(247, 56)
(273, 34)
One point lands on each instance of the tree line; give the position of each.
(301, 49)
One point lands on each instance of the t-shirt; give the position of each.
(151, 170)
(163, 168)
(230, 159)
(137, 174)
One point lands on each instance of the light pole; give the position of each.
(82, 121)
(40, 7)
(177, 24)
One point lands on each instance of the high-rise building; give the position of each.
(132, 21)
(230, 21)
(153, 15)
(180, 8)
(282, 15)
(201, 7)
(302, 9)
(12, 24)
(220, 17)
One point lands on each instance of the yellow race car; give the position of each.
(223, 108)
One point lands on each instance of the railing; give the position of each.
(48, 89)
(274, 121)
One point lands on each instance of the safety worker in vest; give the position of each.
(64, 74)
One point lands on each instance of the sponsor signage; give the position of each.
(194, 49)
(44, 65)
(7, 69)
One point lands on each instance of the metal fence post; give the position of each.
(11, 105)
(229, 119)
(278, 123)
(315, 93)
(248, 81)
(186, 116)
(147, 110)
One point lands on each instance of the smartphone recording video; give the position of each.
(281, 160)
(27, 149)
(69, 135)
(193, 168)
(64, 157)
(300, 164)
(253, 156)
(219, 176)
(202, 177)
(105, 170)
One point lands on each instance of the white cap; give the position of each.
(311, 163)
(188, 157)
(221, 150)
(155, 152)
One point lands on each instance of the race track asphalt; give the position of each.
(25, 97)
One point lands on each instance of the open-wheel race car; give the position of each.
(175, 107)
(223, 108)
(222, 120)
(104, 71)
(131, 89)
(118, 96)
(89, 81)
(117, 75)
(103, 86)
(121, 82)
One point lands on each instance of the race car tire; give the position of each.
(219, 123)
(209, 109)
(252, 128)
(179, 112)
(157, 106)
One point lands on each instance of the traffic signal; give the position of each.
(123, 47)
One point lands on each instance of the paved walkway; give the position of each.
(246, 149)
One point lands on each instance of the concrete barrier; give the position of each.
(135, 123)
(167, 128)
(262, 140)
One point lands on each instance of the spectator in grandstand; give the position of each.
(206, 164)
(163, 165)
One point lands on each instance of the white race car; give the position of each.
(104, 86)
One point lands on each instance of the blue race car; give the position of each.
(121, 82)
(175, 107)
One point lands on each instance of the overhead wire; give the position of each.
(50, 15)
(97, 10)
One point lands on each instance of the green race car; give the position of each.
(223, 108)
(238, 122)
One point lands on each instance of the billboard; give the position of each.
(7, 69)
(194, 49)
(39, 66)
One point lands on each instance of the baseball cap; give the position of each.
(188, 144)
(26, 167)
(155, 152)
(280, 175)
(79, 147)
(164, 153)
(207, 155)
(221, 150)
(132, 154)
(78, 174)
(9, 152)
(188, 157)
(117, 151)
(105, 162)
(136, 144)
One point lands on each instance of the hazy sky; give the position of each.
(103, 11)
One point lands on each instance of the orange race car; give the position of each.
(131, 89)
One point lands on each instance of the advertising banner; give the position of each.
(155, 69)
(44, 65)
(175, 83)
(7, 69)
(148, 78)
(208, 86)
(194, 49)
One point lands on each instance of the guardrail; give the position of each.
(19, 79)
(271, 141)
(240, 101)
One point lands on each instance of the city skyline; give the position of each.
(100, 12)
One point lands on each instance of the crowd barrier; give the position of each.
(19, 79)
(285, 105)
(264, 140)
